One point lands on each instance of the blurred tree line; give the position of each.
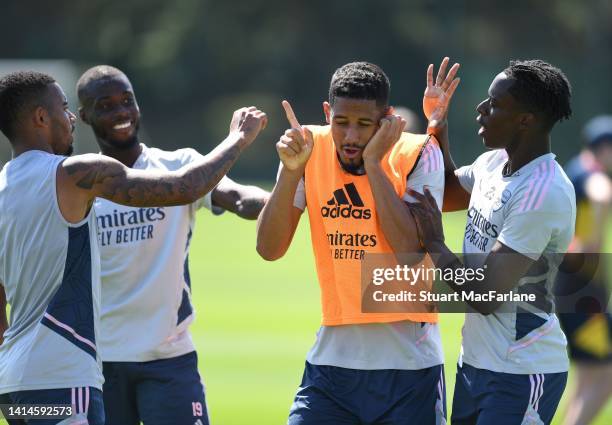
(192, 62)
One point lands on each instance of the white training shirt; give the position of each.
(399, 345)
(146, 288)
(50, 270)
(533, 212)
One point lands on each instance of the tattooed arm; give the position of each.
(82, 178)
(244, 201)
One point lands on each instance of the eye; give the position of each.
(128, 101)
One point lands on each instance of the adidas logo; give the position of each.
(198, 422)
(341, 206)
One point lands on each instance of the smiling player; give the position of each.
(49, 257)
(149, 359)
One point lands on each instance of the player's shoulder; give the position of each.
(491, 159)
(547, 188)
(416, 137)
(421, 145)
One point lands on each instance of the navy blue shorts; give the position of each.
(86, 402)
(483, 397)
(159, 392)
(330, 395)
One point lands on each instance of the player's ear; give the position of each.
(327, 111)
(526, 120)
(40, 117)
(83, 115)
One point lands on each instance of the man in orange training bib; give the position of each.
(353, 174)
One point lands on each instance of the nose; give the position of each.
(481, 107)
(72, 117)
(122, 112)
(352, 135)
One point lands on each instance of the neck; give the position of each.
(126, 156)
(33, 144)
(525, 152)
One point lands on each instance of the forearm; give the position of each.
(278, 220)
(244, 201)
(200, 177)
(501, 272)
(439, 129)
(145, 189)
(249, 207)
(396, 221)
(100, 176)
(444, 259)
(455, 197)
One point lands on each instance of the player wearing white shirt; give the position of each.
(149, 360)
(521, 215)
(49, 257)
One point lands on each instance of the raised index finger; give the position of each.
(291, 115)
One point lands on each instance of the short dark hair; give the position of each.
(543, 87)
(93, 74)
(20, 91)
(360, 80)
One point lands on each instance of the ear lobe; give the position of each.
(526, 120)
(327, 112)
(82, 115)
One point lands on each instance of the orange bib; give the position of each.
(344, 225)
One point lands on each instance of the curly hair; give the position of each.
(542, 87)
(20, 92)
(360, 80)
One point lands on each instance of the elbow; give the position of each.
(265, 249)
(267, 253)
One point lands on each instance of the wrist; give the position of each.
(371, 162)
(238, 139)
(295, 174)
(437, 125)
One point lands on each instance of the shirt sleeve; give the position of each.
(299, 200)
(466, 177)
(428, 172)
(532, 230)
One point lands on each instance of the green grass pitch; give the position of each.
(256, 320)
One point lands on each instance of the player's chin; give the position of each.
(353, 160)
(122, 142)
(69, 150)
(488, 142)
